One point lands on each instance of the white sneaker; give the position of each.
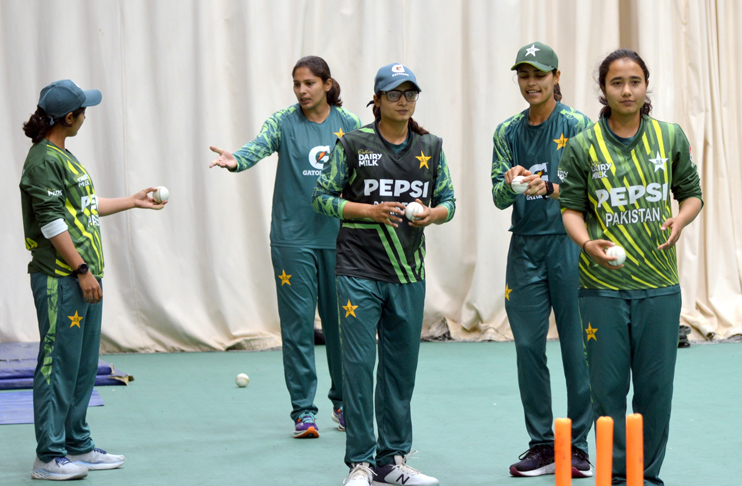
(401, 473)
(97, 460)
(360, 475)
(58, 469)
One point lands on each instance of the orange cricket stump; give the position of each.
(604, 450)
(634, 450)
(563, 451)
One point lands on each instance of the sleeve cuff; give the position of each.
(56, 227)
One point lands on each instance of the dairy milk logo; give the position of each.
(599, 171)
(368, 158)
(541, 171)
(562, 174)
(83, 181)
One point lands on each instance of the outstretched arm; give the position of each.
(142, 200)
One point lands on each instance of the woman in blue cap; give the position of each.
(372, 175)
(61, 223)
(303, 242)
(542, 261)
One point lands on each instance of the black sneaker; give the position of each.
(581, 467)
(536, 461)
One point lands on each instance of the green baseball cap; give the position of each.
(62, 97)
(538, 55)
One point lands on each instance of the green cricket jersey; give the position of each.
(303, 148)
(624, 193)
(538, 149)
(365, 168)
(57, 194)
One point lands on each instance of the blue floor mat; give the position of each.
(18, 363)
(16, 407)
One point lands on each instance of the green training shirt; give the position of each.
(538, 149)
(624, 193)
(57, 194)
(365, 168)
(303, 148)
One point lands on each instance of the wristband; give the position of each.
(583, 245)
(549, 188)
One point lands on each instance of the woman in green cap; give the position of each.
(373, 176)
(542, 261)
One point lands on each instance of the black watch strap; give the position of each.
(81, 270)
(549, 188)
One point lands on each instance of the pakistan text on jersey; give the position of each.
(641, 215)
(392, 187)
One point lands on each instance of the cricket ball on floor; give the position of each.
(412, 210)
(161, 194)
(242, 380)
(518, 185)
(617, 252)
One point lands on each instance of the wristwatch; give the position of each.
(81, 270)
(549, 189)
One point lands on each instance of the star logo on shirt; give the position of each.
(507, 292)
(284, 278)
(423, 160)
(350, 309)
(531, 51)
(659, 162)
(75, 320)
(561, 141)
(591, 332)
(339, 133)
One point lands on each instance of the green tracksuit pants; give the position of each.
(542, 274)
(395, 311)
(305, 281)
(635, 340)
(67, 365)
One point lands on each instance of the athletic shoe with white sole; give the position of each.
(97, 460)
(360, 475)
(306, 427)
(338, 418)
(400, 473)
(536, 461)
(58, 469)
(581, 464)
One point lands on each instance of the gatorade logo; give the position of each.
(317, 158)
(398, 68)
(540, 170)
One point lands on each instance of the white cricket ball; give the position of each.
(161, 194)
(242, 380)
(518, 185)
(414, 208)
(617, 252)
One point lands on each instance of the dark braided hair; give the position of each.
(603, 72)
(411, 123)
(319, 68)
(37, 127)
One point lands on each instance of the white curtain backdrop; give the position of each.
(180, 75)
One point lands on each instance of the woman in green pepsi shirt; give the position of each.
(542, 261)
(303, 242)
(616, 184)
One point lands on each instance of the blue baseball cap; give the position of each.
(391, 76)
(62, 97)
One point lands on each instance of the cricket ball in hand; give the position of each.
(412, 210)
(617, 252)
(518, 185)
(242, 380)
(161, 194)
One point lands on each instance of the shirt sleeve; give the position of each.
(685, 180)
(330, 184)
(573, 172)
(267, 142)
(443, 191)
(46, 188)
(502, 161)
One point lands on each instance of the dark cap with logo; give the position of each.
(392, 75)
(62, 97)
(538, 55)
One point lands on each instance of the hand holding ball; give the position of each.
(619, 253)
(161, 194)
(242, 380)
(519, 187)
(412, 210)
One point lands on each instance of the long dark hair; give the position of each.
(603, 72)
(411, 123)
(40, 124)
(319, 68)
(557, 89)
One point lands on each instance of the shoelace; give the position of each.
(61, 461)
(100, 451)
(360, 471)
(581, 456)
(409, 470)
(307, 418)
(536, 452)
